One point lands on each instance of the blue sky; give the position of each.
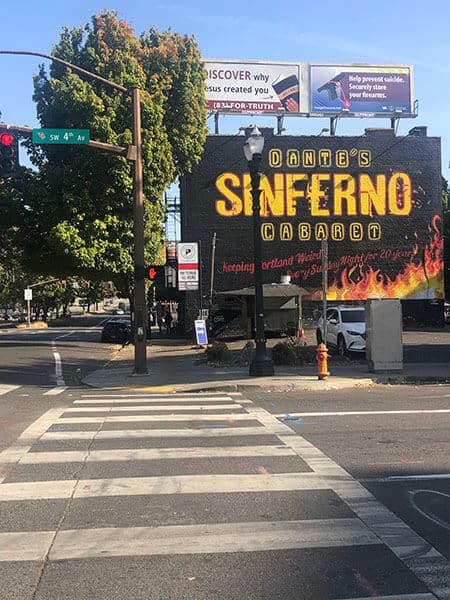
(401, 32)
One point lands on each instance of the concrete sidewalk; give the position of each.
(172, 367)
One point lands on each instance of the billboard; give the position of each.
(364, 90)
(308, 89)
(252, 87)
(376, 198)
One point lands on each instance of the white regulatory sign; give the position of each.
(28, 294)
(188, 275)
(187, 253)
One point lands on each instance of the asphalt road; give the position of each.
(403, 459)
(121, 494)
(36, 365)
(27, 356)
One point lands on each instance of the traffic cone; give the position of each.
(302, 336)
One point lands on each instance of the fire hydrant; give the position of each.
(322, 361)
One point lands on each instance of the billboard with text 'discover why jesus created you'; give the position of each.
(375, 197)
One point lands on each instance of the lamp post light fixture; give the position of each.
(261, 364)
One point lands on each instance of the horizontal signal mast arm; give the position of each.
(128, 152)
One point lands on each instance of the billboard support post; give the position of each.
(333, 125)
(261, 365)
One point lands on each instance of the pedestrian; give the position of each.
(168, 321)
(160, 316)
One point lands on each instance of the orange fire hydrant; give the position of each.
(322, 361)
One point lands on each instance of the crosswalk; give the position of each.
(203, 475)
(52, 391)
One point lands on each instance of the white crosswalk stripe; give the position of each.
(4, 389)
(154, 407)
(49, 443)
(185, 539)
(157, 418)
(158, 400)
(35, 458)
(183, 484)
(205, 431)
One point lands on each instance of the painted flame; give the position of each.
(421, 278)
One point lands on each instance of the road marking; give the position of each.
(168, 397)
(58, 365)
(55, 391)
(150, 400)
(393, 478)
(350, 413)
(23, 444)
(160, 433)
(25, 546)
(157, 418)
(4, 389)
(149, 486)
(120, 455)
(64, 335)
(184, 539)
(210, 538)
(399, 597)
(155, 407)
(418, 555)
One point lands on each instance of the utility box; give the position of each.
(384, 341)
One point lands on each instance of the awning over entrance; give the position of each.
(270, 290)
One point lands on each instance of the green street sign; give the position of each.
(61, 136)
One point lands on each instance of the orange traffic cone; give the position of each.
(302, 336)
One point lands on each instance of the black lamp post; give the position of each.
(261, 365)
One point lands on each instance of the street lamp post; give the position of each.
(134, 153)
(261, 364)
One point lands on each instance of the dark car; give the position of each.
(117, 330)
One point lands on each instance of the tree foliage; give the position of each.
(80, 218)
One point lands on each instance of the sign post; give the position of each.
(28, 296)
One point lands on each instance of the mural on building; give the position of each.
(375, 198)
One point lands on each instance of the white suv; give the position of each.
(346, 329)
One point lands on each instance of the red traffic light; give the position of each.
(6, 139)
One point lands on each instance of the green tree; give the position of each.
(80, 218)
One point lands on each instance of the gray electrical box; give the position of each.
(384, 331)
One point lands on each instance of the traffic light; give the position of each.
(155, 272)
(9, 152)
(152, 272)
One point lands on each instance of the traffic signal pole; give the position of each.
(134, 153)
(140, 306)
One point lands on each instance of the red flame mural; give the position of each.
(422, 276)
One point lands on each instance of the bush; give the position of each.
(218, 352)
(283, 354)
(293, 352)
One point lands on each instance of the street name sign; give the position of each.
(61, 136)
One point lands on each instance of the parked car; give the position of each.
(117, 330)
(447, 312)
(118, 311)
(346, 329)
